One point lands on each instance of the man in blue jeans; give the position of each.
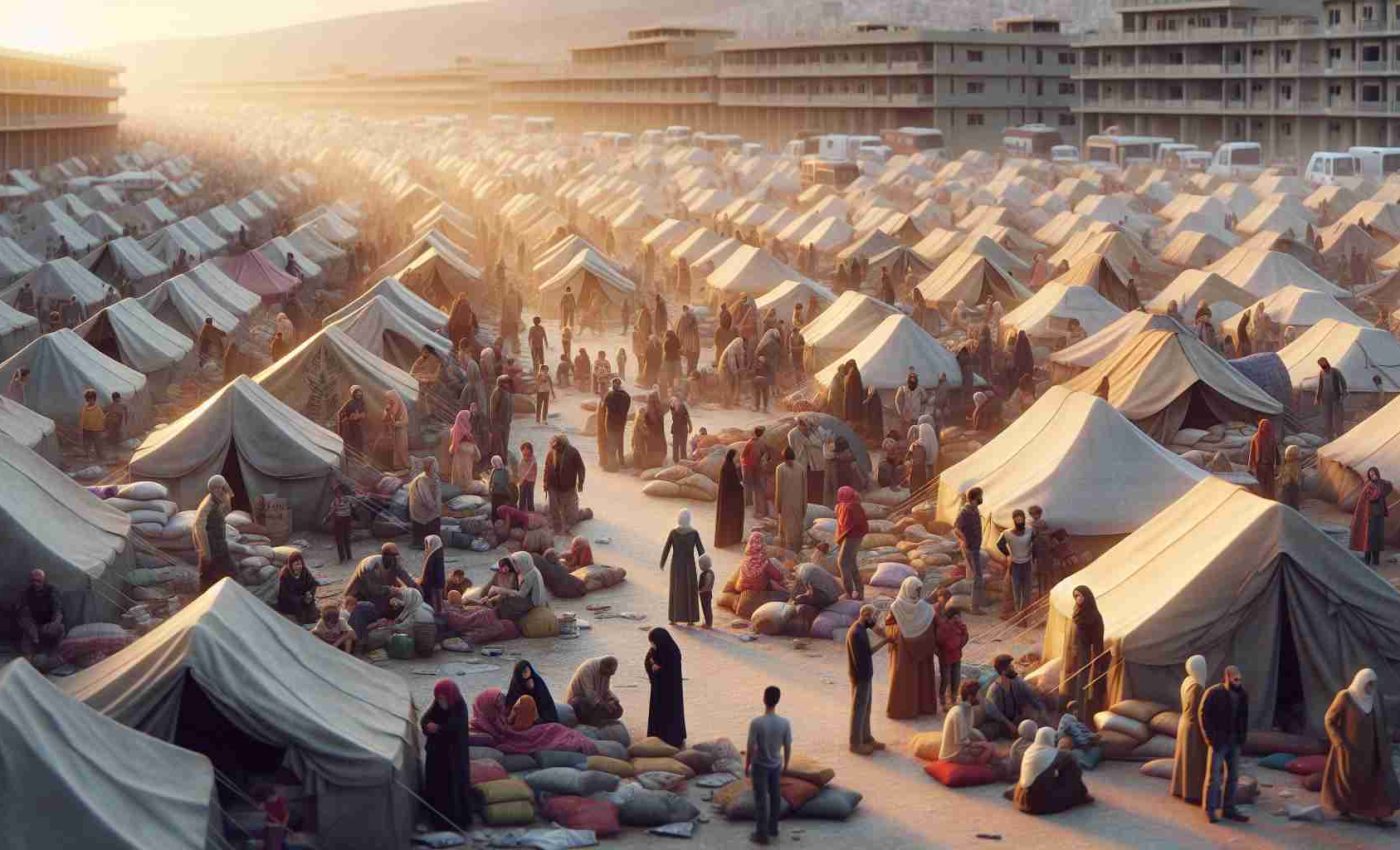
(1224, 715)
(765, 759)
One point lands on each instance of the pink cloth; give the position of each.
(489, 717)
(461, 430)
(757, 571)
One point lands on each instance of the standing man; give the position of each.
(806, 445)
(567, 304)
(539, 341)
(115, 421)
(1224, 717)
(563, 481)
(1331, 392)
(765, 758)
(909, 401)
(616, 405)
(211, 341)
(968, 529)
(858, 660)
(502, 411)
(1017, 544)
(791, 495)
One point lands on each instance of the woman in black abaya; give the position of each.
(446, 779)
(729, 510)
(666, 718)
(526, 682)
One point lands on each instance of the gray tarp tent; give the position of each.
(391, 334)
(348, 730)
(334, 261)
(180, 303)
(59, 280)
(15, 262)
(74, 778)
(129, 334)
(50, 523)
(260, 445)
(62, 365)
(1244, 581)
(124, 259)
(32, 430)
(408, 301)
(276, 250)
(224, 289)
(16, 330)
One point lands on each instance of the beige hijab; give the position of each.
(910, 611)
(1039, 756)
(1357, 689)
(1196, 672)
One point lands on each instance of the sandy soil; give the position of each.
(725, 677)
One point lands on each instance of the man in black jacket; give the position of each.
(563, 481)
(616, 405)
(1224, 716)
(858, 659)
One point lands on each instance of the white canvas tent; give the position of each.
(16, 330)
(1074, 451)
(1165, 381)
(886, 354)
(1369, 358)
(1244, 581)
(1263, 273)
(74, 778)
(1294, 306)
(128, 333)
(1375, 441)
(590, 276)
(15, 262)
(31, 430)
(49, 522)
(391, 334)
(408, 301)
(58, 280)
(750, 271)
(181, 304)
(782, 298)
(840, 327)
(1195, 287)
(224, 289)
(972, 279)
(62, 365)
(1073, 359)
(1047, 314)
(229, 662)
(124, 259)
(260, 445)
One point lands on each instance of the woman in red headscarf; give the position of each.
(1368, 518)
(851, 528)
(757, 571)
(1264, 457)
(446, 779)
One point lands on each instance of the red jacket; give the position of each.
(950, 636)
(851, 521)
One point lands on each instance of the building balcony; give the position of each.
(52, 89)
(794, 99)
(58, 121)
(738, 70)
(1215, 106)
(603, 97)
(607, 71)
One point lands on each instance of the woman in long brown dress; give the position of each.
(909, 630)
(1359, 780)
(1189, 764)
(729, 509)
(683, 547)
(1082, 679)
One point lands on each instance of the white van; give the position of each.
(1238, 159)
(1328, 167)
(1379, 163)
(1164, 152)
(678, 134)
(1121, 151)
(653, 137)
(752, 149)
(1064, 153)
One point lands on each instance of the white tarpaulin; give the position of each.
(224, 289)
(409, 302)
(123, 259)
(127, 330)
(1361, 354)
(842, 326)
(1195, 287)
(16, 330)
(1375, 441)
(1294, 306)
(30, 429)
(59, 280)
(1049, 311)
(181, 304)
(751, 271)
(1262, 273)
(1073, 359)
(62, 365)
(886, 354)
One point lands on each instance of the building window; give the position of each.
(1066, 119)
(1286, 55)
(1066, 58)
(1368, 13)
(1066, 88)
(1371, 94)
(1371, 53)
(1334, 17)
(1176, 91)
(975, 88)
(1334, 90)
(974, 56)
(1286, 128)
(1286, 91)
(1334, 54)
(975, 119)
(1039, 56)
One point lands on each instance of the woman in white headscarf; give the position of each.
(1359, 779)
(683, 547)
(909, 630)
(209, 534)
(425, 502)
(1051, 780)
(1189, 763)
(415, 619)
(287, 329)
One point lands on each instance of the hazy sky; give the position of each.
(65, 26)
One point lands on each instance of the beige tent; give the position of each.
(1195, 287)
(842, 326)
(1191, 250)
(890, 350)
(1375, 441)
(782, 298)
(750, 271)
(1095, 471)
(1048, 313)
(1382, 216)
(1106, 277)
(1073, 359)
(1296, 307)
(1114, 244)
(1165, 381)
(972, 279)
(1369, 359)
(668, 234)
(590, 276)
(939, 244)
(1244, 581)
(695, 246)
(1265, 272)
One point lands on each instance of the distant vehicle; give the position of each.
(505, 124)
(874, 154)
(837, 174)
(536, 124)
(718, 142)
(1031, 140)
(1238, 159)
(1196, 160)
(1121, 151)
(678, 134)
(1064, 153)
(1167, 151)
(1377, 162)
(653, 137)
(753, 149)
(912, 140)
(838, 146)
(1327, 167)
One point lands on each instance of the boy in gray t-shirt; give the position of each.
(766, 757)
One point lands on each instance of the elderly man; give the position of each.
(40, 616)
(806, 443)
(367, 592)
(563, 481)
(1330, 396)
(909, 401)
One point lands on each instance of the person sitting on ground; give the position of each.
(1051, 780)
(490, 717)
(414, 618)
(517, 589)
(333, 629)
(1074, 736)
(962, 743)
(40, 614)
(580, 554)
(1009, 701)
(815, 586)
(525, 683)
(758, 571)
(590, 692)
(457, 580)
(296, 590)
(367, 591)
(1025, 738)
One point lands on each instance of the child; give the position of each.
(622, 363)
(275, 812)
(544, 391)
(950, 636)
(529, 471)
(706, 589)
(564, 371)
(567, 337)
(694, 445)
(457, 581)
(93, 422)
(333, 630)
(341, 521)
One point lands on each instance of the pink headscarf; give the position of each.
(755, 567)
(446, 689)
(462, 429)
(490, 717)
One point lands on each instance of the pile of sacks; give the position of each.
(955, 446)
(1137, 730)
(146, 503)
(1223, 447)
(805, 790)
(680, 482)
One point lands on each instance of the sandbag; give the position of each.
(698, 761)
(504, 791)
(809, 769)
(830, 803)
(660, 780)
(89, 643)
(660, 764)
(655, 808)
(652, 747)
(1117, 745)
(599, 576)
(797, 792)
(143, 491)
(599, 816)
(617, 767)
(615, 731)
(926, 745)
(830, 625)
(539, 623)
(514, 813)
(662, 489)
(772, 618)
(1140, 710)
(891, 574)
(735, 801)
(571, 781)
(486, 770)
(519, 762)
(611, 749)
(476, 753)
(1156, 747)
(1107, 721)
(751, 600)
(1160, 768)
(561, 758)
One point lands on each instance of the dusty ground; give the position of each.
(725, 677)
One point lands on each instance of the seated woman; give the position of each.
(590, 692)
(1051, 779)
(758, 571)
(517, 588)
(815, 586)
(414, 619)
(296, 590)
(333, 629)
(525, 683)
(490, 717)
(580, 554)
(962, 742)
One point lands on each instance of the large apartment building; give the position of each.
(459, 90)
(972, 85)
(52, 108)
(1293, 75)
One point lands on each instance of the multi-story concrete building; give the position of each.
(657, 77)
(1295, 76)
(972, 85)
(459, 90)
(52, 108)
